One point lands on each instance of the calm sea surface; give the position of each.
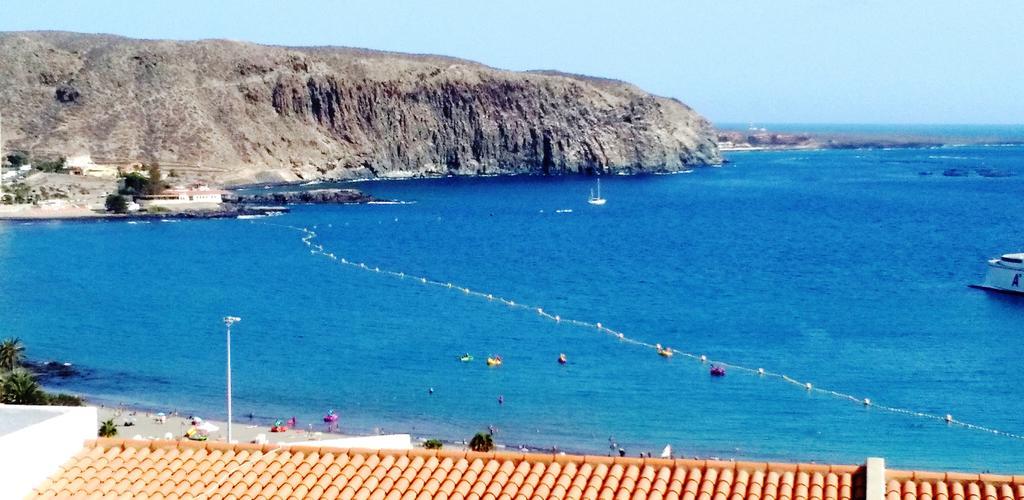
(847, 269)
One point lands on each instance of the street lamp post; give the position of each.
(228, 321)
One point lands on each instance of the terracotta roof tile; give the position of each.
(919, 485)
(109, 468)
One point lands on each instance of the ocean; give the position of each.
(847, 270)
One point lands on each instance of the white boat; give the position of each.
(1005, 274)
(596, 200)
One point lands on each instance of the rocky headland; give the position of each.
(233, 113)
(313, 196)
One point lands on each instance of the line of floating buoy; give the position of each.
(702, 358)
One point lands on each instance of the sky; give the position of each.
(734, 61)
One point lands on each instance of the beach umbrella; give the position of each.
(667, 452)
(207, 427)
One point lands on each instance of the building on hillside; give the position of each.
(83, 165)
(53, 204)
(183, 198)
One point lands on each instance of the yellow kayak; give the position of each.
(495, 361)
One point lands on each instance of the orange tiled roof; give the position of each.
(112, 468)
(918, 485)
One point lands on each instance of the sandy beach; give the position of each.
(146, 425)
(31, 212)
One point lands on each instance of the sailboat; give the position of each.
(596, 200)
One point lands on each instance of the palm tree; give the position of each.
(19, 387)
(108, 429)
(481, 442)
(12, 352)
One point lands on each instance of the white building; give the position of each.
(201, 197)
(83, 165)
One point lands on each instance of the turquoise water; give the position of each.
(847, 269)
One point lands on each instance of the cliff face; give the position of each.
(238, 112)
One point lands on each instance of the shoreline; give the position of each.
(138, 423)
(81, 216)
(422, 177)
(144, 425)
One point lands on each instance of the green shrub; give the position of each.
(433, 444)
(16, 159)
(482, 441)
(12, 353)
(57, 165)
(108, 429)
(65, 400)
(19, 387)
(117, 204)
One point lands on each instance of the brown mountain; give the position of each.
(239, 112)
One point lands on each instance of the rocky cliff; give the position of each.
(239, 112)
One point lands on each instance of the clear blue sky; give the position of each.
(838, 61)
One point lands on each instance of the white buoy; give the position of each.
(760, 371)
(703, 358)
(465, 290)
(401, 275)
(599, 326)
(558, 318)
(540, 311)
(511, 303)
(808, 386)
(449, 285)
(949, 418)
(423, 280)
(376, 269)
(621, 336)
(867, 402)
(490, 297)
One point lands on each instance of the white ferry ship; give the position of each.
(1005, 274)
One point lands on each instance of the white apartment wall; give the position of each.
(178, 203)
(33, 453)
